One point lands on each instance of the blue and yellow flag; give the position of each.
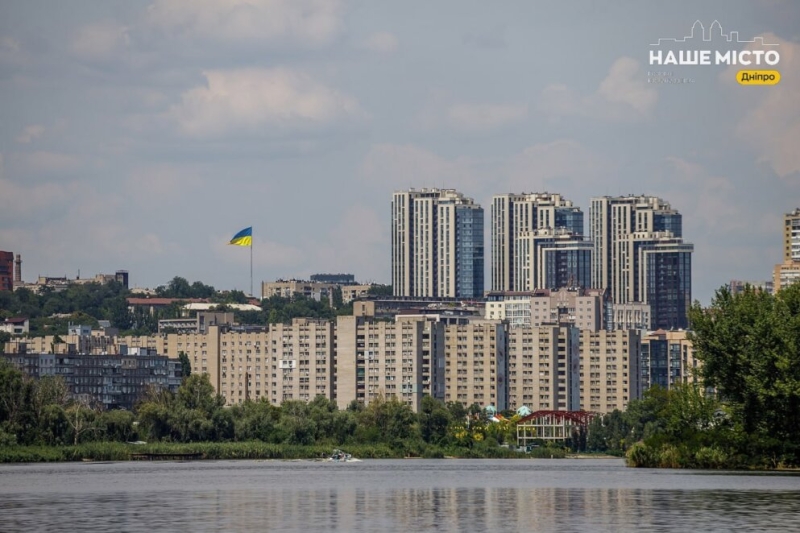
(243, 238)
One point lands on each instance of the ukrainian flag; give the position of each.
(243, 238)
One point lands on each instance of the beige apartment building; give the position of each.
(353, 292)
(609, 369)
(287, 362)
(788, 272)
(475, 363)
(543, 368)
(401, 359)
(559, 368)
(301, 365)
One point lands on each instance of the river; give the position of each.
(386, 495)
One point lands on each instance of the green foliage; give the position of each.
(750, 348)
(186, 365)
(279, 310)
(749, 344)
(434, 419)
(4, 338)
(380, 290)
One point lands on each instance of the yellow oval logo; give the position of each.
(758, 77)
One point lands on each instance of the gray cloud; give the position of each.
(142, 134)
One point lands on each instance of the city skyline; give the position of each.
(122, 145)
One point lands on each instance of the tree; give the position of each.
(197, 393)
(81, 419)
(379, 290)
(4, 338)
(186, 365)
(434, 418)
(749, 344)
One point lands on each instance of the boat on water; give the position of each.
(338, 456)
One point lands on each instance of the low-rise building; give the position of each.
(15, 325)
(290, 288)
(582, 308)
(107, 381)
(198, 323)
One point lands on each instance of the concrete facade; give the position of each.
(475, 364)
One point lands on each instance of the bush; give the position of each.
(711, 457)
(640, 455)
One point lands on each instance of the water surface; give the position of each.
(392, 495)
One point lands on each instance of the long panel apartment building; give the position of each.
(475, 363)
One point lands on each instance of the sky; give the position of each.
(142, 135)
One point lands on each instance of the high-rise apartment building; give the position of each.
(516, 214)
(639, 256)
(791, 236)
(437, 244)
(788, 272)
(552, 259)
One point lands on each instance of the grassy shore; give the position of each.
(115, 451)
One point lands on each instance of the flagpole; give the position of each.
(251, 267)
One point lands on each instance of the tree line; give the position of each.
(41, 412)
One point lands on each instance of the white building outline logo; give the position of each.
(715, 30)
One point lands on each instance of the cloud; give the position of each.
(482, 117)
(623, 96)
(381, 41)
(488, 38)
(771, 124)
(401, 167)
(440, 111)
(29, 133)
(248, 99)
(155, 187)
(41, 162)
(564, 166)
(358, 243)
(304, 22)
(103, 41)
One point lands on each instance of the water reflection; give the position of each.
(285, 498)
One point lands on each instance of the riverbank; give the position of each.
(116, 451)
